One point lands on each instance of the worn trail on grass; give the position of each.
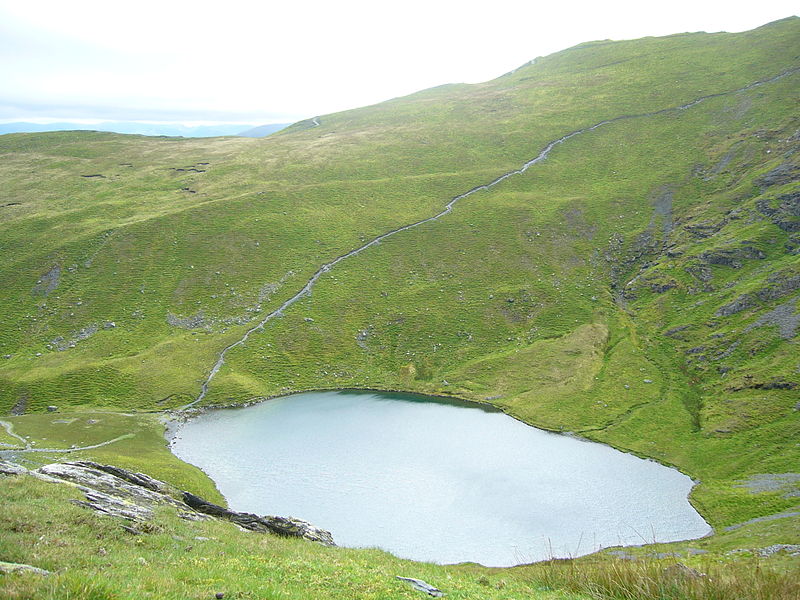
(10, 430)
(449, 207)
(30, 448)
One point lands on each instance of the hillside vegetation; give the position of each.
(638, 286)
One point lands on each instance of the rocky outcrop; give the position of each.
(743, 302)
(783, 211)
(9, 468)
(779, 285)
(732, 257)
(780, 175)
(286, 526)
(784, 317)
(113, 491)
(48, 281)
(117, 492)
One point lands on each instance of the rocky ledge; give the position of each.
(132, 496)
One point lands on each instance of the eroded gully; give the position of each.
(306, 289)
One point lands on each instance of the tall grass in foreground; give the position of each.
(658, 580)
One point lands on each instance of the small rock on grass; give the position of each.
(422, 586)
(7, 568)
(681, 571)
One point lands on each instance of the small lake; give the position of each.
(434, 480)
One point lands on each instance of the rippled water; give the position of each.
(435, 480)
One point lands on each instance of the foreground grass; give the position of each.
(93, 558)
(625, 580)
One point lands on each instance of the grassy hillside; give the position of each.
(639, 286)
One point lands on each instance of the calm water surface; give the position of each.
(435, 480)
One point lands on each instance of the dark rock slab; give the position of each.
(285, 526)
(136, 478)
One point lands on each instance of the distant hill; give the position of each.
(263, 130)
(151, 129)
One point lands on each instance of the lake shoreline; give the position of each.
(331, 449)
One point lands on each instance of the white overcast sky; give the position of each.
(261, 62)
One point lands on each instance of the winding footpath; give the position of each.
(448, 208)
(10, 430)
(29, 447)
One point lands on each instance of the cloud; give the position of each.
(255, 61)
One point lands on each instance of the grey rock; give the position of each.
(10, 568)
(790, 549)
(743, 302)
(733, 257)
(700, 272)
(285, 526)
(133, 496)
(48, 282)
(789, 483)
(114, 506)
(61, 343)
(52, 408)
(780, 175)
(781, 284)
(422, 586)
(784, 211)
(136, 478)
(9, 468)
(784, 317)
(673, 333)
(20, 406)
(108, 492)
(191, 322)
(681, 571)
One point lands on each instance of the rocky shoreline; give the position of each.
(131, 496)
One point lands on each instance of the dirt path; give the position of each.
(9, 427)
(449, 207)
(29, 448)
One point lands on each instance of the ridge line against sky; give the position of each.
(238, 63)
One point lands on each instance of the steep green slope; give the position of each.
(638, 286)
